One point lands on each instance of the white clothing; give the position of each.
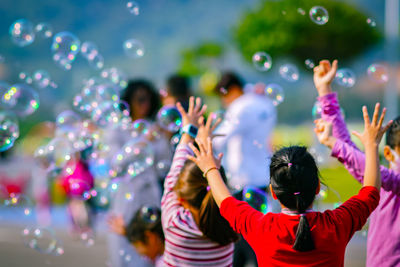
(248, 124)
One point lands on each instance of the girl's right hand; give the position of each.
(324, 74)
(373, 131)
(195, 111)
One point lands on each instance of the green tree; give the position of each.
(285, 28)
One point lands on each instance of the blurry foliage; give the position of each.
(196, 60)
(278, 28)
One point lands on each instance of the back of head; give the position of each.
(295, 180)
(193, 187)
(178, 86)
(228, 81)
(393, 134)
(142, 84)
(145, 219)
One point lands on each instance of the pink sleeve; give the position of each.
(331, 113)
(169, 201)
(354, 161)
(353, 214)
(241, 216)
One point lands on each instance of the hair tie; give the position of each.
(208, 188)
(296, 193)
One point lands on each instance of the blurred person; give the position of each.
(145, 189)
(144, 232)
(383, 244)
(177, 90)
(246, 132)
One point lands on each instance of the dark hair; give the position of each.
(295, 179)
(393, 134)
(145, 219)
(227, 81)
(178, 86)
(142, 84)
(193, 187)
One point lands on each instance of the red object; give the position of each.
(272, 235)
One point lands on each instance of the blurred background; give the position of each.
(155, 38)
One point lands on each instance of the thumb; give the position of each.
(357, 134)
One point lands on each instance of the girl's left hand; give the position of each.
(204, 158)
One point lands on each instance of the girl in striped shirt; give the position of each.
(195, 232)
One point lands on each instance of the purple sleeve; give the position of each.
(354, 161)
(331, 113)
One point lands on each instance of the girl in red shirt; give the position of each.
(298, 236)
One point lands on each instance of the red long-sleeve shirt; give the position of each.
(272, 235)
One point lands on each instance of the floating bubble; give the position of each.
(87, 238)
(65, 47)
(175, 140)
(115, 76)
(150, 214)
(128, 196)
(163, 167)
(256, 198)
(133, 158)
(133, 7)
(68, 120)
(275, 93)
(59, 250)
(101, 199)
(58, 152)
(20, 205)
(44, 30)
(345, 77)
(96, 61)
(169, 118)
(319, 15)
(262, 61)
(89, 48)
(371, 22)
(21, 99)
(40, 239)
(140, 127)
(9, 130)
(217, 115)
(289, 72)
(378, 73)
(41, 78)
(133, 48)
(316, 110)
(22, 32)
(108, 114)
(309, 63)
(301, 11)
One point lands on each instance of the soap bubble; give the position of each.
(256, 198)
(58, 152)
(22, 32)
(319, 15)
(96, 61)
(133, 48)
(87, 238)
(68, 120)
(316, 110)
(40, 239)
(309, 63)
(169, 118)
(345, 77)
(371, 22)
(175, 140)
(133, 158)
(65, 47)
(289, 72)
(44, 30)
(262, 61)
(88, 48)
(133, 7)
(20, 205)
(378, 73)
(21, 99)
(150, 214)
(301, 11)
(101, 197)
(275, 93)
(92, 96)
(108, 114)
(115, 76)
(41, 78)
(9, 130)
(140, 128)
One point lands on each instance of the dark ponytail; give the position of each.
(193, 187)
(295, 179)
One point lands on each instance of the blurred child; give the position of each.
(195, 232)
(383, 245)
(298, 236)
(144, 232)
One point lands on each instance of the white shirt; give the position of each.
(248, 124)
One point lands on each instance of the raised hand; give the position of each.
(373, 131)
(116, 224)
(324, 74)
(195, 111)
(204, 157)
(323, 130)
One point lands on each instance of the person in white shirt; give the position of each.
(247, 126)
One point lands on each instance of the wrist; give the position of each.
(324, 89)
(208, 170)
(329, 142)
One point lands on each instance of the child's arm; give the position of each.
(324, 74)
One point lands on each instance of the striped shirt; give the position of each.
(185, 244)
